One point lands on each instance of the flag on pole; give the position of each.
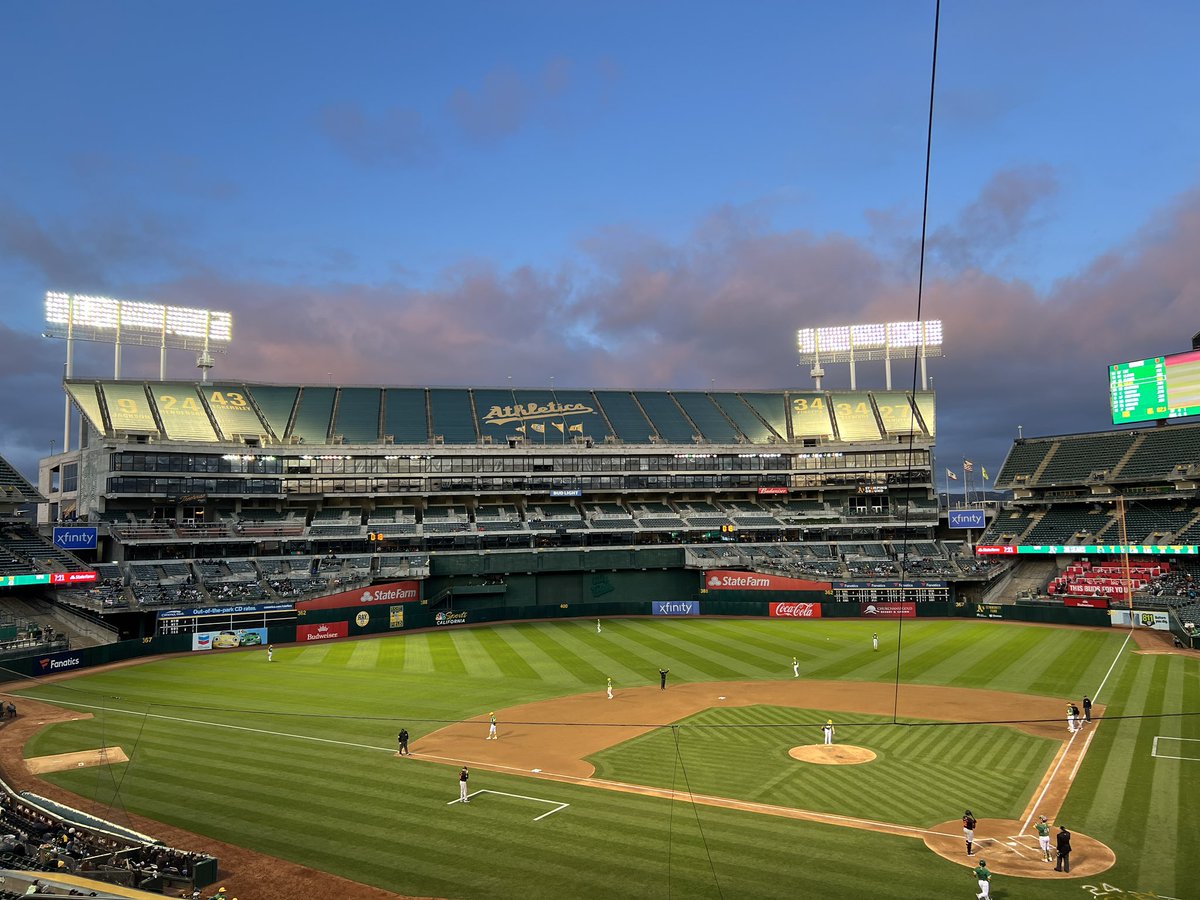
(538, 427)
(520, 428)
(576, 428)
(560, 426)
(968, 466)
(951, 475)
(985, 474)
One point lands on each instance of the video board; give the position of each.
(1161, 387)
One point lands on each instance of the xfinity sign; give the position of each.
(676, 607)
(76, 538)
(967, 518)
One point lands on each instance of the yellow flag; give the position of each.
(538, 427)
(520, 428)
(559, 426)
(577, 428)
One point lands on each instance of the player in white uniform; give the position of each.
(795, 667)
(270, 652)
(875, 641)
(610, 688)
(462, 785)
(597, 626)
(1043, 832)
(492, 736)
(828, 730)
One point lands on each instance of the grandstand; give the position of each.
(205, 494)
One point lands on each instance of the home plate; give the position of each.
(79, 760)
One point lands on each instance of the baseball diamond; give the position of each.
(974, 721)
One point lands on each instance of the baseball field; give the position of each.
(719, 786)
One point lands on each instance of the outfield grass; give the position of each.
(295, 758)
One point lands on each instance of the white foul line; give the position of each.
(558, 807)
(1049, 781)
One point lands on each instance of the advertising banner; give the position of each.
(221, 610)
(57, 662)
(229, 640)
(796, 610)
(47, 578)
(450, 617)
(1087, 602)
(75, 538)
(392, 592)
(771, 491)
(967, 518)
(676, 607)
(396, 617)
(902, 610)
(989, 611)
(721, 580)
(326, 631)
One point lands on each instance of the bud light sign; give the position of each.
(676, 607)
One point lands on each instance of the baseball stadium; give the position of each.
(733, 644)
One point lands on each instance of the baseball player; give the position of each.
(597, 626)
(462, 784)
(969, 831)
(828, 731)
(875, 641)
(1043, 832)
(270, 652)
(610, 687)
(492, 736)
(984, 876)
(795, 667)
(1071, 718)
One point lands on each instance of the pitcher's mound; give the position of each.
(832, 754)
(62, 761)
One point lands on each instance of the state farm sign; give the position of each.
(393, 592)
(796, 610)
(721, 580)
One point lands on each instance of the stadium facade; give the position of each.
(203, 494)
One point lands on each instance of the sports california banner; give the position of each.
(393, 592)
(721, 580)
(796, 610)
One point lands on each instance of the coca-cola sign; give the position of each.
(796, 610)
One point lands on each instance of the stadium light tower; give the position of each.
(81, 317)
(850, 343)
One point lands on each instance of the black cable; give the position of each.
(671, 819)
(696, 812)
(912, 426)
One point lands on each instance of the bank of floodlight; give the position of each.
(855, 343)
(86, 317)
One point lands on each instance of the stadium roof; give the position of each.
(326, 414)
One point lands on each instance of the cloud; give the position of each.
(719, 306)
(506, 102)
(396, 136)
(1003, 212)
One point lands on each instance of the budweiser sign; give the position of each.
(796, 610)
(756, 581)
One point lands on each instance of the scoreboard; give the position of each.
(1162, 387)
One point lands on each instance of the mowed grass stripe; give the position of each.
(506, 658)
(670, 646)
(478, 661)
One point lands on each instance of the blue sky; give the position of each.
(612, 194)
